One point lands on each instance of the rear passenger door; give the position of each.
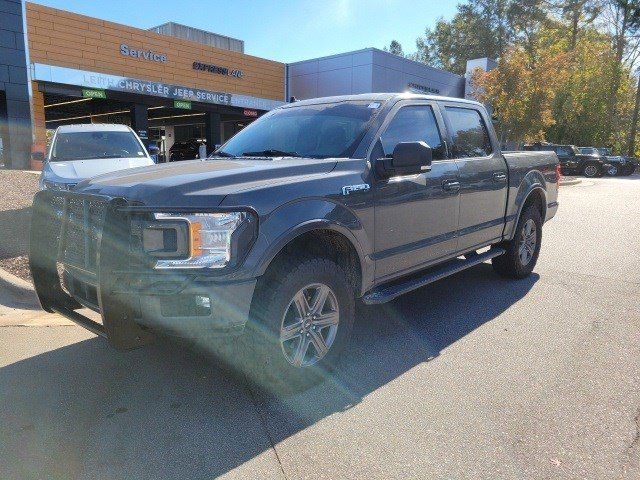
(483, 176)
(416, 216)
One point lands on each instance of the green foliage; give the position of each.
(394, 48)
(559, 94)
(480, 28)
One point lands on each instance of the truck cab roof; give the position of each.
(379, 97)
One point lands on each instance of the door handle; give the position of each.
(500, 176)
(451, 186)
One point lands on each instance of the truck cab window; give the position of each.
(469, 133)
(414, 124)
(566, 151)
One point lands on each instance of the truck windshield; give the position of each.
(312, 131)
(606, 152)
(94, 146)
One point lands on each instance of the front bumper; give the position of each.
(186, 307)
(80, 256)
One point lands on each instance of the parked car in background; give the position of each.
(186, 150)
(619, 165)
(79, 152)
(275, 237)
(572, 160)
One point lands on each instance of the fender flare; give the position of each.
(319, 214)
(533, 182)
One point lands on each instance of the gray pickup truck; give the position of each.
(272, 240)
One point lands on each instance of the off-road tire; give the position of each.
(268, 368)
(509, 265)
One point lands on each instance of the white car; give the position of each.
(83, 151)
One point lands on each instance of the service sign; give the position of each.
(102, 81)
(148, 55)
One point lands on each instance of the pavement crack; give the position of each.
(630, 462)
(265, 426)
(635, 442)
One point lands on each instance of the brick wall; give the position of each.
(13, 81)
(70, 40)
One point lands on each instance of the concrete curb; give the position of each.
(20, 290)
(571, 181)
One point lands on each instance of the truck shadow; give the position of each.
(87, 411)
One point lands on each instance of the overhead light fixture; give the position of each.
(177, 116)
(67, 103)
(86, 116)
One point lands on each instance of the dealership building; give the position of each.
(170, 83)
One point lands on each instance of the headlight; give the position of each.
(200, 240)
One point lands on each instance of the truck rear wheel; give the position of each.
(301, 320)
(522, 252)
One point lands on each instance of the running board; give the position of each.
(385, 294)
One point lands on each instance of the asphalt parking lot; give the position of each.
(472, 377)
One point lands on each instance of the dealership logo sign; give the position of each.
(207, 67)
(142, 54)
(417, 88)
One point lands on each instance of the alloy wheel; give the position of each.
(591, 171)
(309, 325)
(528, 239)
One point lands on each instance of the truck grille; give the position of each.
(81, 231)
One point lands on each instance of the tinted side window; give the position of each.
(565, 151)
(414, 124)
(469, 133)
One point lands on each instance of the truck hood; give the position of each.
(79, 170)
(200, 183)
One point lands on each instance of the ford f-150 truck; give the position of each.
(314, 206)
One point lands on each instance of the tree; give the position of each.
(480, 28)
(578, 13)
(395, 48)
(621, 18)
(521, 92)
(633, 128)
(547, 92)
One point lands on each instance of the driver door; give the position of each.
(416, 216)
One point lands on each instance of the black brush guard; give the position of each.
(85, 234)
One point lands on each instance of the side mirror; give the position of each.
(37, 156)
(408, 158)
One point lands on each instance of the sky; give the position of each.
(282, 30)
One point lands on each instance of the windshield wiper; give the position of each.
(270, 153)
(220, 153)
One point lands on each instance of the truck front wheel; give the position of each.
(301, 320)
(522, 252)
